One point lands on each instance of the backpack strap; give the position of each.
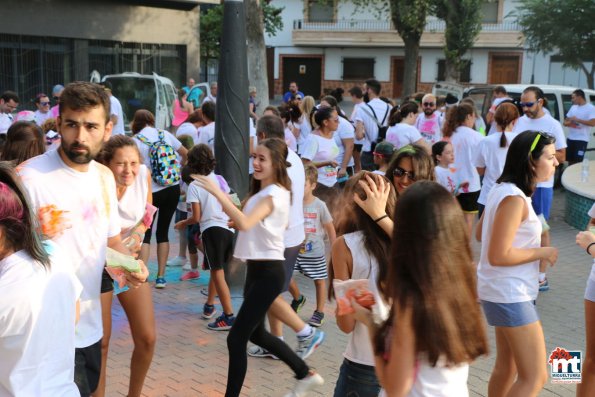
(385, 114)
(143, 139)
(375, 117)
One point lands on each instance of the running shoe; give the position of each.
(177, 261)
(544, 285)
(297, 304)
(187, 267)
(257, 351)
(160, 282)
(303, 386)
(208, 311)
(307, 344)
(222, 323)
(317, 319)
(191, 275)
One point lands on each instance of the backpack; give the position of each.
(381, 128)
(165, 168)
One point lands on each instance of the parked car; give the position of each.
(137, 91)
(558, 100)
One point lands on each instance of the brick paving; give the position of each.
(191, 360)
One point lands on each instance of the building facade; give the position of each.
(43, 43)
(335, 44)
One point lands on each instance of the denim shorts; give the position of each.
(356, 380)
(510, 314)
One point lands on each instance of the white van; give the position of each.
(558, 101)
(136, 91)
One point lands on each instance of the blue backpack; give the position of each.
(165, 168)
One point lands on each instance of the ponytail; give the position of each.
(455, 116)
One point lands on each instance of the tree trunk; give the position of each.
(257, 57)
(452, 73)
(589, 74)
(410, 67)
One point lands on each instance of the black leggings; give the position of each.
(264, 282)
(166, 201)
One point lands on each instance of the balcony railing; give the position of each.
(384, 26)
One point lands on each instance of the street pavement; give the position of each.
(191, 360)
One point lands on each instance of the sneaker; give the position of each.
(208, 311)
(257, 351)
(303, 386)
(177, 261)
(187, 266)
(317, 319)
(544, 285)
(307, 344)
(297, 304)
(191, 275)
(222, 323)
(160, 282)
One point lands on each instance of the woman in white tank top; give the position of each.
(360, 253)
(434, 329)
(133, 187)
(508, 269)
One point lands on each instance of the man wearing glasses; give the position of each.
(533, 102)
(9, 101)
(429, 123)
(42, 102)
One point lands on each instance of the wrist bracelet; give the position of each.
(386, 216)
(589, 247)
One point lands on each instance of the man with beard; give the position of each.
(533, 103)
(75, 199)
(429, 123)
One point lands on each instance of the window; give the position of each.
(321, 11)
(358, 68)
(465, 71)
(489, 11)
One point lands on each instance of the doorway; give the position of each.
(306, 72)
(505, 69)
(397, 76)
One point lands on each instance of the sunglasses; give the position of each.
(56, 98)
(44, 103)
(528, 104)
(399, 173)
(429, 104)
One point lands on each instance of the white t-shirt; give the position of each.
(290, 139)
(206, 135)
(345, 131)
(305, 129)
(37, 321)
(90, 208)
(211, 211)
(447, 177)
(40, 117)
(465, 142)
(131, 206)
(402, 134)
(550, 126)
(116, 110)
(491, 157)
(152, 135)
(264, 241)
(430, 128)
(316, 215)
(439, 381)
(319, 149)
(188, 129)
(5, 122)
(294, 235)
(365, 115)
(508, 284)
(353, 120)
(581, 132)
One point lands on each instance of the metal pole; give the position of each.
(232, 139)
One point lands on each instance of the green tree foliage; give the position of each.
(562, 26)
(409, 18)
(211, 23)
(463, 24)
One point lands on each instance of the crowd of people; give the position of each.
(382, 203)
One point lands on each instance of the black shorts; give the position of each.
(358, 147)
(575, 152)
(107, 284)
(468, 202)
(87, 366)
(217, 243)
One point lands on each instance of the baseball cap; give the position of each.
(384, 148)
